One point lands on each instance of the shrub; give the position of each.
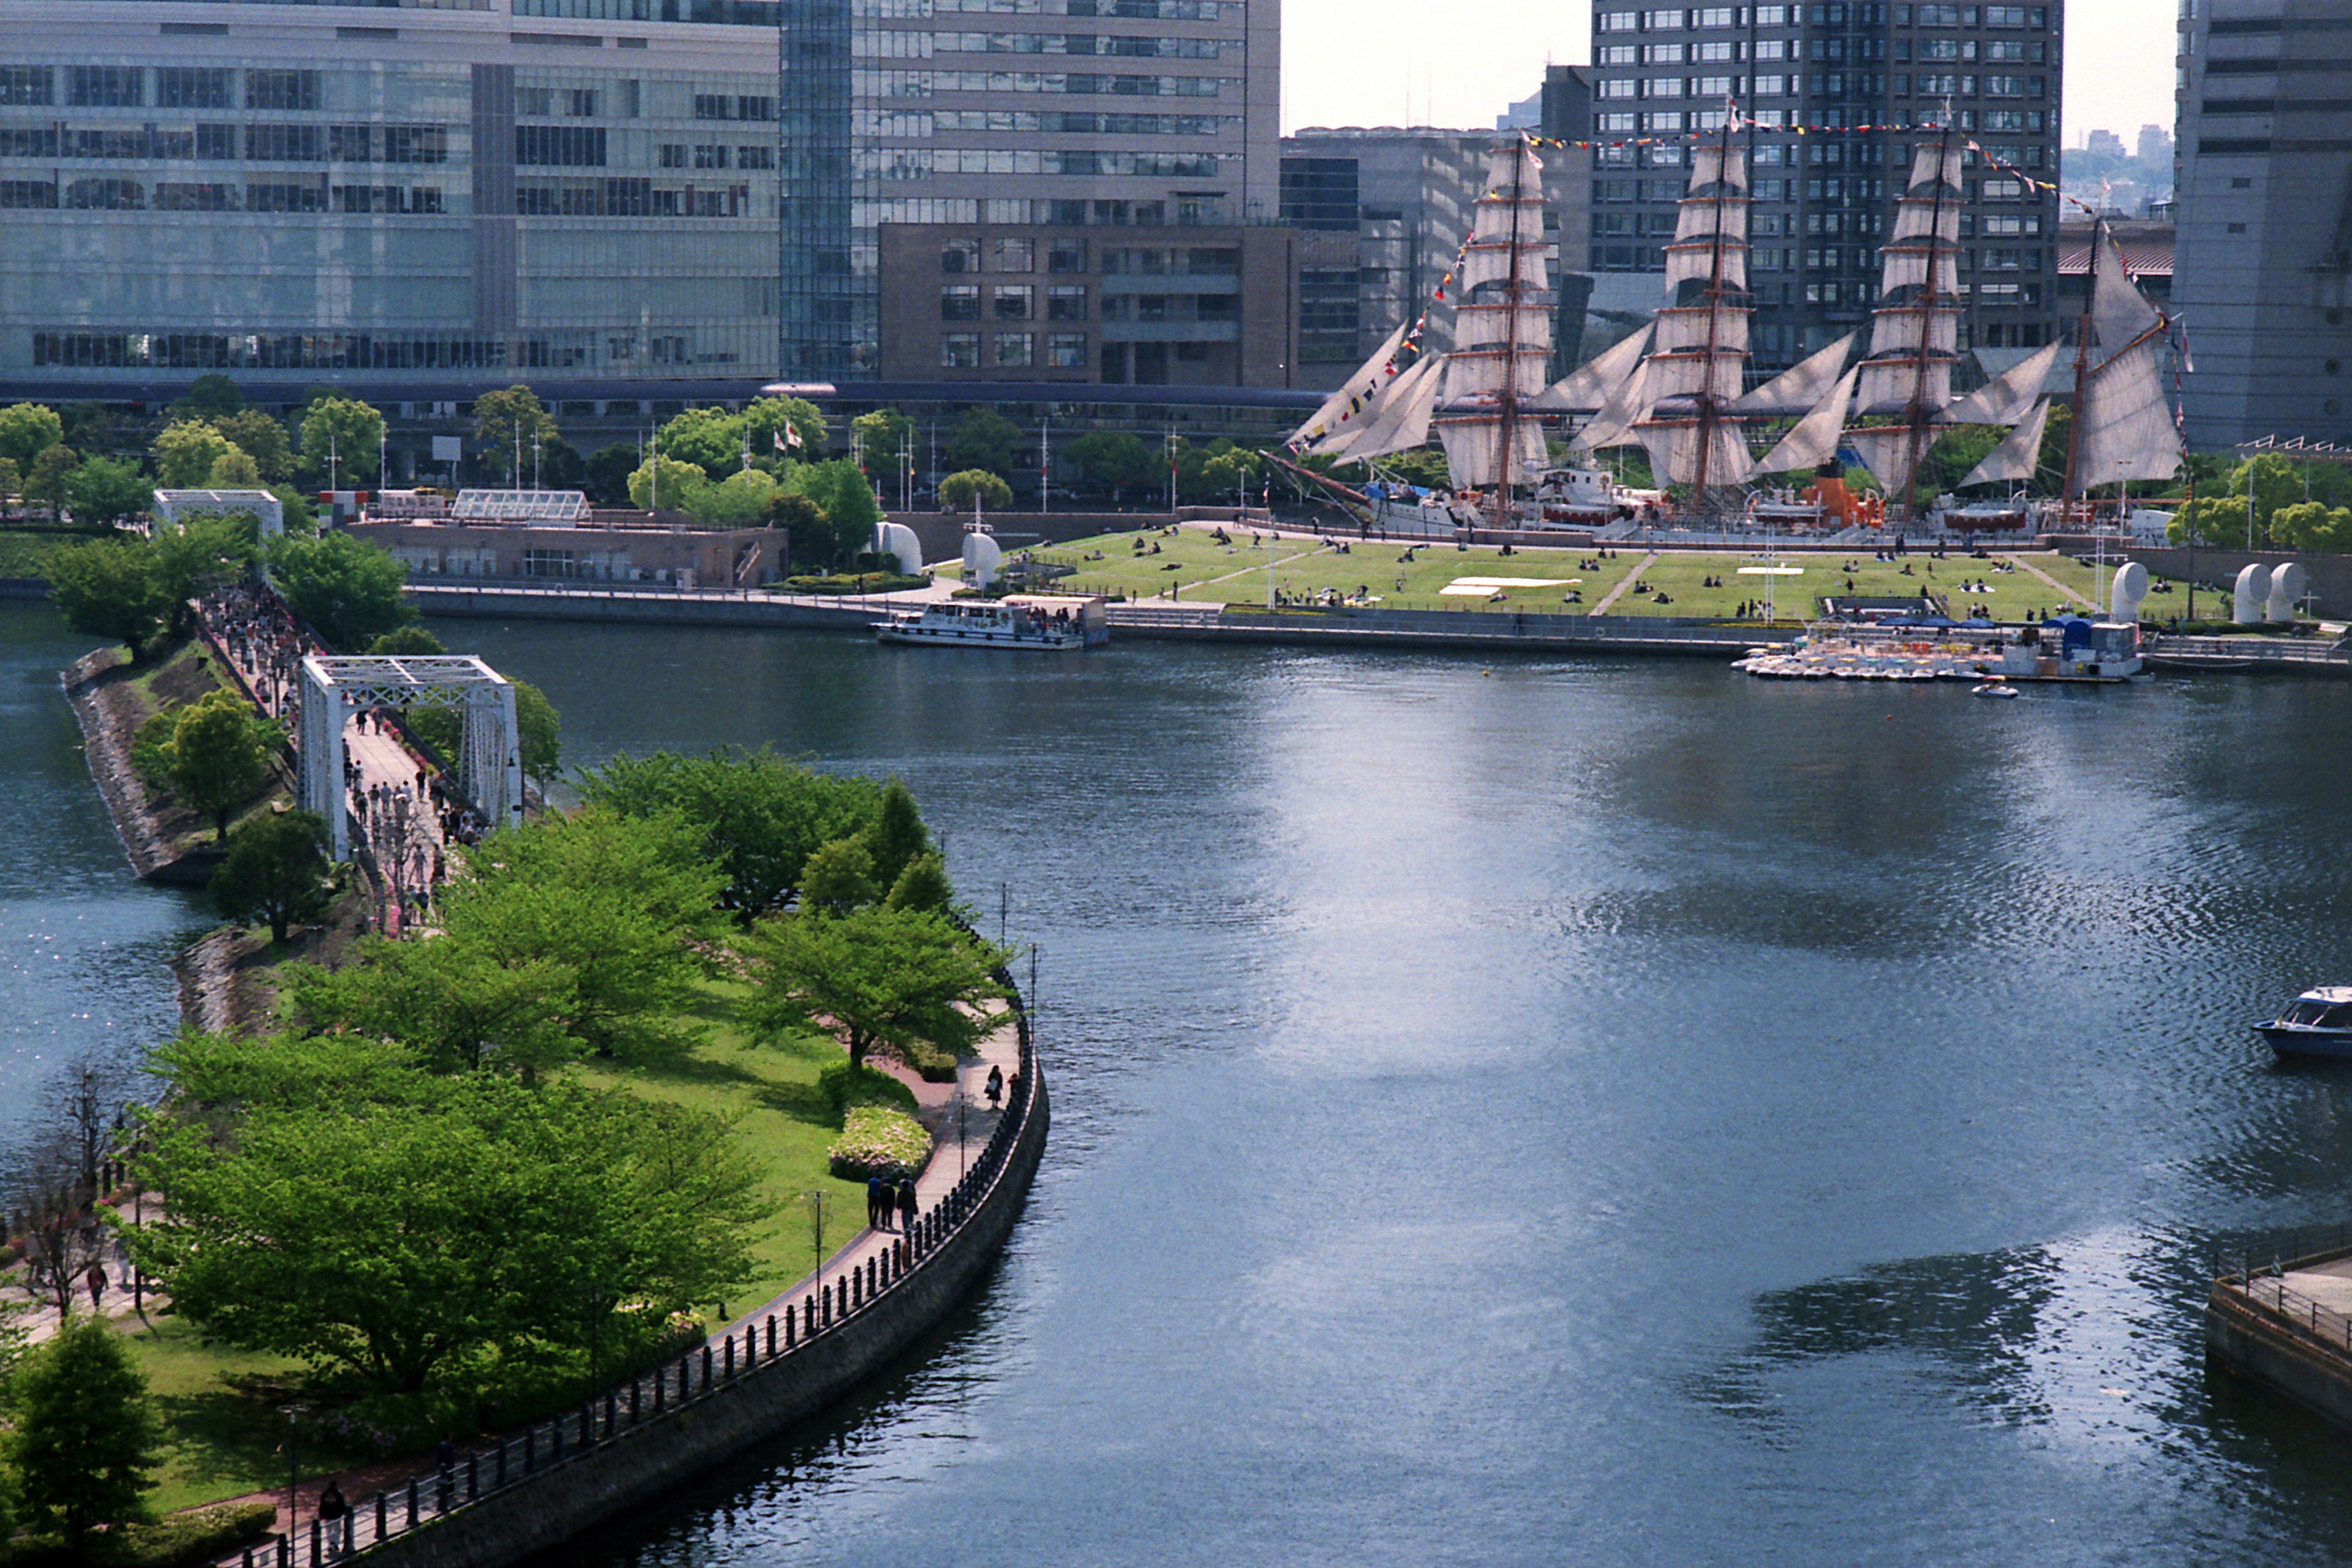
(187, 1538)
(844, 1088)
(879, 1141)
(866, 583)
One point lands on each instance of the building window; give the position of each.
(281, 90)
(580, 102)
(190, 86)
(705, 156)
(960, 303)
(1066, 255)
(1066, 350)
(106, 87)
(960, 351)
(672, 155)
(1065, 302)
(1013, 302)
(755, 157)
(1016, 256)
(960, 256)
(26, 85)
(1015, 351)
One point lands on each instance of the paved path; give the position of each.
(2038, 571)
(966, 1123)
(1623, 583)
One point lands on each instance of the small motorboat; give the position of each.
(2317, 1023)
(1993, 686)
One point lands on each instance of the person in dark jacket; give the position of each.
(907, 1202)
(878, 1204)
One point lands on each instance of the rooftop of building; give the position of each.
(2145, 244)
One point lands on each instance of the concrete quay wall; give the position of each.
(2248, 1341)
(639, 1463)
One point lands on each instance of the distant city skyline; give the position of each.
(1345, 62)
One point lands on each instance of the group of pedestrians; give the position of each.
(255, 628)
(883, 1199)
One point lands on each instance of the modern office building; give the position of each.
(1404, 194)
(1163, 305)
(1041, 114)
(576, 190)
(1861, 77)
(2265, 208)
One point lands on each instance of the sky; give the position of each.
(1390, 62)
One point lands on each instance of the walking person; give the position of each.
(96, 1280)
(878, 1209)
(995, 1086)
(906, 1203)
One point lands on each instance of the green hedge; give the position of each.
(844, 1088)
(181, 1541)
(879, 1141)
(866, 583)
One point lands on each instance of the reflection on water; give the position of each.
(83, 946)
(1560, 1110)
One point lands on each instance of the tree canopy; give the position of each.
(27, 430)
(405, 1227)
(218, 756)
(86, 1444)
(505, 425)
(186, 452)
(347, 589)
(275, 872)
(341, 437)
(982, 438)
(957, 491)
(108, 588)
(756, 816)
(879, 979)
(105, 490)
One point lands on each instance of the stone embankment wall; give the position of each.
(109, 724)
(527, 1494)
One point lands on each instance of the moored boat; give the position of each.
(1025, 623)
(2316, 1024)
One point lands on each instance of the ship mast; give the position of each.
(1507, 401)
(1920, 415)
(1709, 414)
(2082, 330)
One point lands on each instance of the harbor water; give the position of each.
(1538, 1111)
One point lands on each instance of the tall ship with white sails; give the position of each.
(1677, 387)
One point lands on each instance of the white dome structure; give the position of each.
(2131, 587)
(898, 541)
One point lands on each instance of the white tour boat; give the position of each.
(1029, 623)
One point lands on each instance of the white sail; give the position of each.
(1479, 373)
(1489, 324)
(1813, 440)
(1688, 375)
(1492, 264)
(1347, 406)
(1718, 165)
(1891, 384)
(1704, 262)
(1906, 328)
(1704, 217)
(1886, 450)
(2125, 430)
(1674, 445)
(1473, 450)
(1909, 268)
(2019, 453)
(1589, 386)
(1613, 424)
(2005, 399)
(1696, 329)
(1403, 422)
(1802, 385)
(1925, 220)
(2120, 313)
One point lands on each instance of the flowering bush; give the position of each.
(879, 1141)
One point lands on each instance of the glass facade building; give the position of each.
(1860, 77)
(575, 190)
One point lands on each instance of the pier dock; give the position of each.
(2286, 1324)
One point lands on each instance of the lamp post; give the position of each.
(293, 1414)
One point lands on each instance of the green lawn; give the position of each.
(770, 1090)
(1207, 572)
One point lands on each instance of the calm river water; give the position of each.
(1539, 1111)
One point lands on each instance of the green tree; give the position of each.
(301, 512)
(347, 589)
(839, 876)
(847, 498)
(959, 491)
(12, 482)
(711, 438)
(2313, 525)
(898, 835)
(186, 453)
(754, 816)
(885, 436)
(106, 489)
(982, 438)
(739, 501)
(557, 465)
(275, 870)
(341, 437)
(86, 1444)
(106, 588)
(505, 425)
(263, 439)
(1114, 461)
(607, 475)
(879, 979)
(809, 531)
(218, 756)
(624, 903)
(413, 1233)
(766, 420)
(27, 430)
(456, 1002)
(681, 488)
(193, 558)
(45, 480)
(539, 729)
(233, 470)
(209, 396)
(409, 641)
(923, 884)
